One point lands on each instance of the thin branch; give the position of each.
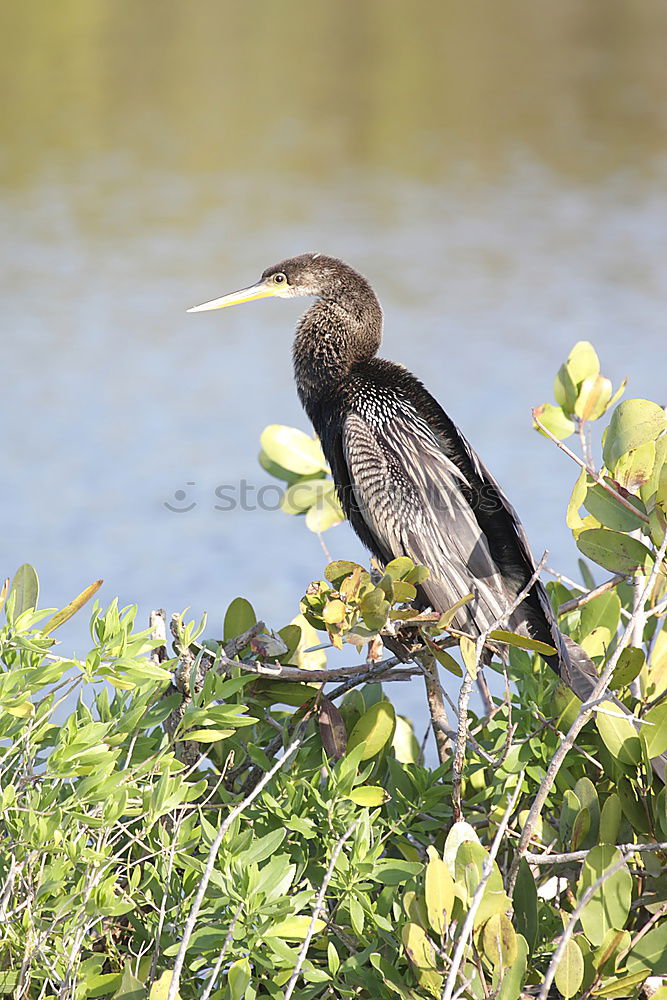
(571, 857)
(163, 905)
(466, 687)
(317, 909)
(210, 864)
(598, 694)
(569, 928)
(467, 928)
(595, 476)
(223, 951)
(578, 602)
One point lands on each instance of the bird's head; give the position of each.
(312, 274)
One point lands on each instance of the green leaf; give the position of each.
(239, 618)
(238, 978)
(404, 741)
(448, 617)
(400, 568)
(635, 468)
(629, 666)
(470, 861)
(572, 517)
(71, 609)
(650, 952)
(130, 988)
(336, 572)
(555, 420)
(594, 396)
(439, 893)
(499, 941)
(207, 735)
(160, 988)
(610, 904)
(369, 796)
(374, 609)
(294, 928)
(618, 734)
(469, 655)
(25, 588)
(616, 552)
(570, 972)
(293, 449)
(522, 642)
(326, 511)
(421, 953)
(300, 496)
(633, 423)
(655, 733)
(513, 979)
(374, 730)
(525, 904)
(610, 819)
(606, 509)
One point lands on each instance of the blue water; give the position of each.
(498, 226)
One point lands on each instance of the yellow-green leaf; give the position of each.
(160, 987)
(554, 420)
(522, 642)
(292, 449)
(447, 618)
(593, 398)
(570, 972)
(369, 796)
(499, 940)
(295, 928)
(71, 609)
(633, 423)
(618, 734)
(614, 551)
(373, 730)
(439, 892)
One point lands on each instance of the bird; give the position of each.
(409, 482)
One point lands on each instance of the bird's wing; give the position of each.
(416, 502)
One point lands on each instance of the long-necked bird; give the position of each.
(407, 478)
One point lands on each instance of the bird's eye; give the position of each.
(279, 279)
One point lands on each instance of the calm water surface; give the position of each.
(498, 174)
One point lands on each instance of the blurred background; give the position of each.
(498, 171)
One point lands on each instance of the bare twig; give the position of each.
(436, 704)
(569, 928)
(466, 686)
(595, 476)
(598, 694)
(571, 857)
(467, 928)
(578, 602)
(460, 745)
(317, 909)
(210, 864)
(223, 951)
(165, 895)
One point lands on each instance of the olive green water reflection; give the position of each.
(497, 169)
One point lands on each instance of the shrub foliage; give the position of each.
(145, 851)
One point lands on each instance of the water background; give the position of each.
(498, 171)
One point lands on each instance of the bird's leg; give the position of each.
(436, 704)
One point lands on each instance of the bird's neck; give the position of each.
(331, 339)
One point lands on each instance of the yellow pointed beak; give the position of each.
(262, 290)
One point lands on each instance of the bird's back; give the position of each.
(411, 485)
